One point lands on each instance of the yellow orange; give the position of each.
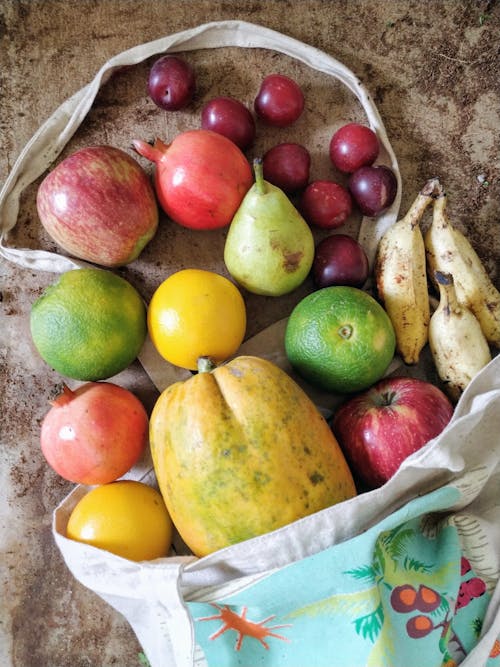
(196, 313)
(128, 518)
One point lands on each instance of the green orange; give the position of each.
(89, 325)
(340, 339)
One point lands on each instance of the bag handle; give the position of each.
(50, 139)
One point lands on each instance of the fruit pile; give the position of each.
(238, 448)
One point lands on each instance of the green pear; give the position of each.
(269, 247)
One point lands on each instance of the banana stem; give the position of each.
(443, 278)
(417, 209)
(430, 191)
(433, 188)
(440, 205)
(447, 290)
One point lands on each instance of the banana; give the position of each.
(449, 251)
(457, 343)
(401, 278)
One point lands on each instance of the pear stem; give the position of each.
(258, 168)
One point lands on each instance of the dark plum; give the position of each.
(171, 83)
(325, 204)
(353, 146)
(373, 189)
(287, 166)
(279, 101)
(231, 118)
(339, 260)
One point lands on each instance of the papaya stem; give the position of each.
(205, 365)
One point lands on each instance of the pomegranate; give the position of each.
(200, 178)
(94, 434)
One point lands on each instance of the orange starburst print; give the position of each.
(495, 651)
(243, 627)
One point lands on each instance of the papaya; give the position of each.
(240, 450)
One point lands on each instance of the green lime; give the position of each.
(89, 325)
(340, 339)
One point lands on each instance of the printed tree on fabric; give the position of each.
(409, 581)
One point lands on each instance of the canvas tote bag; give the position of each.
(330, 589)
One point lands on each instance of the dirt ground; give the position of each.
(432, 70)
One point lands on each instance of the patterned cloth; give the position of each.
(403, 594)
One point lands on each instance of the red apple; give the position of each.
(379, 428)
(95, 434)
(98, 204)
(201, 177)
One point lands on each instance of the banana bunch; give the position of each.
(401, 278)
(458, 345)
(467, 319)
(448, 251)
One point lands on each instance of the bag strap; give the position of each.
(50, 139)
